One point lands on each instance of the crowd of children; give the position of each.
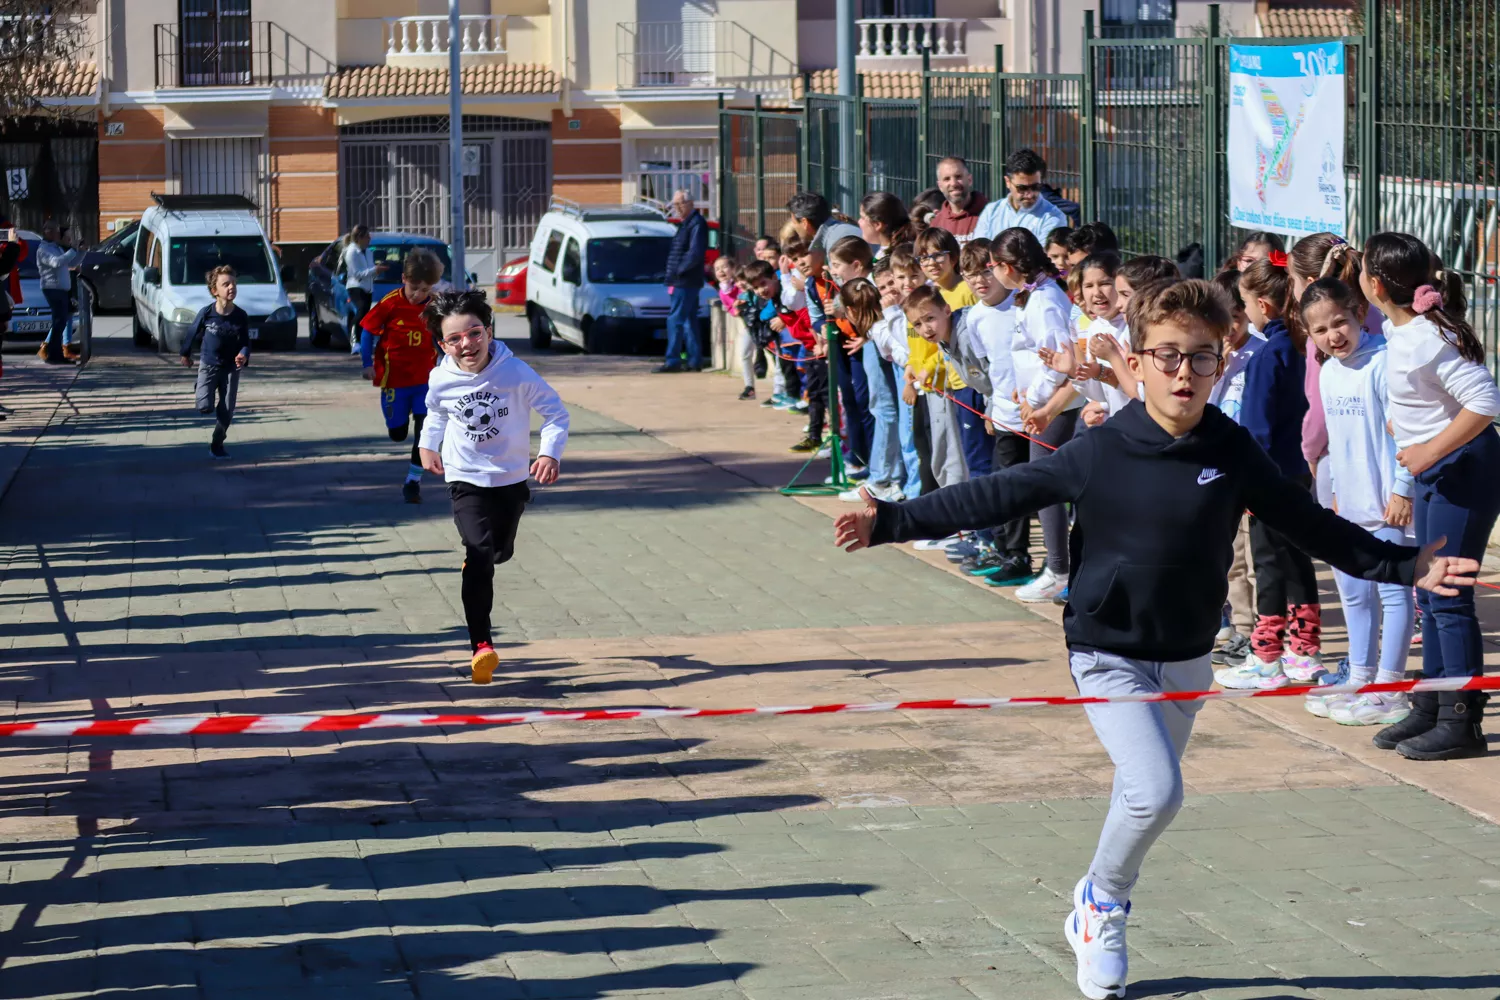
(955, 363)
(1171, 460)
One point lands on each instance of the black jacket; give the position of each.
(1155, 521)
(223, 336)
(689, 248)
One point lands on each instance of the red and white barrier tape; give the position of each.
(259, 725)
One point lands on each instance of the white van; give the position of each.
(597, 276)
(181, 239)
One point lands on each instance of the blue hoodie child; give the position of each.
(1274, 401)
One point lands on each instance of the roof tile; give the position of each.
(404, 81)
(884, 83)
(1307, 19)
(66, 79)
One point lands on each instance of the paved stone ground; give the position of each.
(919, 856)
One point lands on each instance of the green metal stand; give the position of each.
(839, 482)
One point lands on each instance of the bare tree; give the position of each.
(41, 45)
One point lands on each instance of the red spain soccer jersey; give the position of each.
(405, 353)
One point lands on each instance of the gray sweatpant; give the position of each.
(1145, 741)
(218, 384)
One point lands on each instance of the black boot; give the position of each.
(1424, 711)
(1457, 733)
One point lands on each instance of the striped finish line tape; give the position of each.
(257, 725)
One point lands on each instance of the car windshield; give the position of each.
(190, 258)
(389, 258)
(628, 260)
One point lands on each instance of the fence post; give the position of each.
(726, 154)
(1212, 217)
(859, 180)
(999, 125)
(923, 108)
(804, 141)
(760, 171)
(1369, 103)
(1089, 207)
(825, 155)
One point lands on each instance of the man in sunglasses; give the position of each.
(1024, 204)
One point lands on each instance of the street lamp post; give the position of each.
(456, 142)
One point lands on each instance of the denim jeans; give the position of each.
(854, 401)
(885, 451)
(682, 329)
(911, 461)
(62, 312)
(1459, 498)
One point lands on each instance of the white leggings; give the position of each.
(1385, 642)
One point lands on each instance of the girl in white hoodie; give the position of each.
(478, 438)
(1368, 488)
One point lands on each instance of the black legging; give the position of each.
(487, 517)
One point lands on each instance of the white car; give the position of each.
(183, 237)
(32, 316)
(597, 278)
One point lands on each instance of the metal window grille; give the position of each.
(216, 45)
(665, 167)
(222, 166)
(395, 176)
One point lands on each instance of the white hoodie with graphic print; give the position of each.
(481, 422)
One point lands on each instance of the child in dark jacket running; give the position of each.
(1145, 602)
(224, 329)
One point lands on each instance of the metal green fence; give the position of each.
(760, 158)
(1150, 141)
(1435, 97)
(1140, 139)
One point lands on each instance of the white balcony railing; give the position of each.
(909, 37)
(409, 37)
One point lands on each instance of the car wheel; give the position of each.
(317, 333)
(593, 340)
(139, 335)
(541, 330)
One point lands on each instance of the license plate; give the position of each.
(30, 325)
(255, 333)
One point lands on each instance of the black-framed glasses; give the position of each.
(1169, 359)
(933, 258)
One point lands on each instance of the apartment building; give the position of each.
(329, 113)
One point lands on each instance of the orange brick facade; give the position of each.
(591, 170)
(302, 166)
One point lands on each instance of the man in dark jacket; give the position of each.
(685, 284)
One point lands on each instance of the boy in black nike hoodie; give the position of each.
(1157, 492)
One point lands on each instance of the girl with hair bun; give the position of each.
(1443, 401)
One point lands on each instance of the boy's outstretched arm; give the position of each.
(430, 444)
(1322, 534)
(979, 503)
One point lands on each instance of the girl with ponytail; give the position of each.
(1443, 401)
(1287, 641)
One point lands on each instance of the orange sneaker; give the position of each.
(71, 353)
(482, 666)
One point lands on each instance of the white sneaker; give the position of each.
(853, 496)
(933, 544)
(889, 492)
(1323, 705)
(1302, 669)
(1254, 674)
(1097, 934)
(1225, 634)
(1371, 710)
(1043, 589)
